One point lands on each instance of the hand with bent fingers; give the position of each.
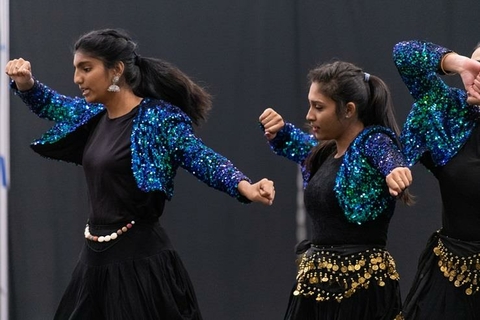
(476, 86)
(20, 71)
(398, 180)
(469, 74)
(262, 191)
(272, 122)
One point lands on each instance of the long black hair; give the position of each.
(344, 82)
(148, 77)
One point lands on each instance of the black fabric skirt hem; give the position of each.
(432, 295)
(137, 276)
(374, 303)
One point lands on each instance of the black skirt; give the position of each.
(345, 282)
(136, 276)
(445, 286)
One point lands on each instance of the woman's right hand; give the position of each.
(20, 71)
(398, 180)
(262, 191)
(272, 122)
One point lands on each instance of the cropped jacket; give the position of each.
(360, 186)
(441, 120)
(162, 140)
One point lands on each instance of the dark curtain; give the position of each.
(250, 55)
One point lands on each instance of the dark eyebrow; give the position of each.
(81, 63)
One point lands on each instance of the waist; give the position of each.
(142, 239)
(341, 249)
(347, 248)
(459, 261)
(460, 226)
(338, 272)
(112, 232)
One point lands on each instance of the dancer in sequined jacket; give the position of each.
(131, 131)
(353, 172)
(442, 132)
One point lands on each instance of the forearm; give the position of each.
(453, 63)
(204, 163)
(419, 65)
(215, 170)
(25, 86)
(384, 153)
(293, 143)
(48, 104)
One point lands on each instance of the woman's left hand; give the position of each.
(475, 87)
(398, 180)
(263, 191)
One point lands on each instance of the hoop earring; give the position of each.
(114, 87)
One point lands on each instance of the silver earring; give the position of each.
(114, 87)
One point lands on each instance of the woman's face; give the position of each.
(322, 115)
(92, 78)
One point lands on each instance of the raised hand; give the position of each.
(262, 191)
(398, 180)
(272, 122)
(20, 71)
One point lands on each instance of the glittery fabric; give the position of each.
(162, 140)
(360, 185)
(440, 120)
(67, 113)
(294, 144)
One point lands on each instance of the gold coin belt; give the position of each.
(462, 271)
(326, 275)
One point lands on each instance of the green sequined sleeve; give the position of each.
(200, 160)
(292, 143)
(50, 105)
(440, 120)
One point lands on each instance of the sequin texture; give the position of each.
(360, 185)
(162, 140)
(440, 121)
(67, 113)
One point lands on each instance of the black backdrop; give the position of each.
(251, 54)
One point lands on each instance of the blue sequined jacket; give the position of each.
(162, 139)
(360, 184)
(440, 121)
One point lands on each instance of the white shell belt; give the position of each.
(109, 237)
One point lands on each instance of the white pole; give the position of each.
(301, 216)
(4, 157)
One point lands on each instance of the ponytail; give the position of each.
(160, 80)
(379, 109)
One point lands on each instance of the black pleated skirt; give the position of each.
(137, 276)
(374, 303)
(434, 296)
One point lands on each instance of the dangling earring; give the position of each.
(114, 87)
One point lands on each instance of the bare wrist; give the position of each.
(446, 63)
(25, 86)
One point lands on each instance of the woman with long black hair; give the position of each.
(353, 172)
(130, 131)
